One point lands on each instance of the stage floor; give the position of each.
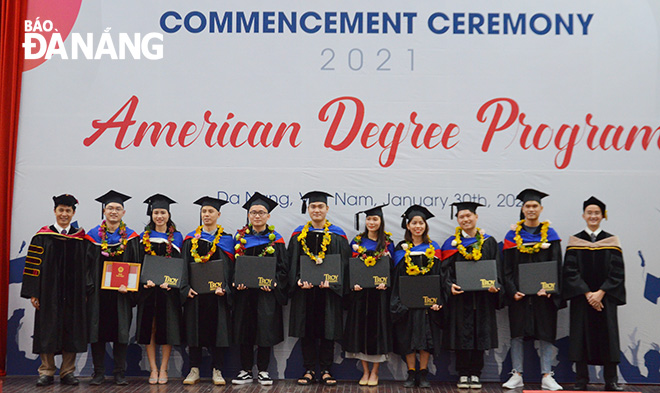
(140, 385)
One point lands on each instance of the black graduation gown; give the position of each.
(207, 317)
(414, 329)
(258, 314)
(368, 327)
(56, 272)
(532, 316)
(588, 267)
(111, 312)
(160, 303)
(316, 312)
(470, 320)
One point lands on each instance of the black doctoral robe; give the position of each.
(258, 314)
(532, 316)
(419, 328)
(111, 312)
(160, 303)
(470, 320)
(588, 267)
(316, 312)
(207, 317)
(57, 273)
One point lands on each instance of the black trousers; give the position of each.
(195, 354)
(319, 351)
(118, 352)
(469, 362)
(247, 357)
(609, 372)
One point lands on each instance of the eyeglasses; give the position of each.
(258, 213)
(114, 209)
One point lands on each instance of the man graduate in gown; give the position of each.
(110, 311)
(594, 282)
(258, 311)
(57, 281)
(316, 308)
(531, 316)
(470, 325)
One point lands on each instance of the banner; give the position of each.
(374, 102)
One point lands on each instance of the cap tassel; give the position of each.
(356, 221)
(451, 211)
(304, 207)
(403, 223)
(522, 216)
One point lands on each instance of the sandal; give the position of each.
(153, 377)
(308, 378)
(327, 379)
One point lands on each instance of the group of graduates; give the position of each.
(63, 271)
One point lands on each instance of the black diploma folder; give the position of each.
(476, 275)
(255, 272)
(314, 274)
(419, 291)
(162, 270)
(369, 276)
(207, 277)
(536, 275)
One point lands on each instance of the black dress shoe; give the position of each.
(97, 379)
(410, 382)
(613, 387)
(45, 380)
(580, 386)
(69, 379)
(120, 379)
(422, 380)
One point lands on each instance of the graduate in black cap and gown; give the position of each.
(111, 311)
(470, 323)
(368, 329)
(316, 308)
(57, 280)
(531, 316)
(594, 282)
(415, 330)
(159, 307)
(258, 311)
(207, 315)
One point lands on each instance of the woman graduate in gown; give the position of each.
(206, 315)
(368, 330)
(258, 311)
(159, 307)
(415, 330)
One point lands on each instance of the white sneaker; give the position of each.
(243, 377)
(463, 382)
(193, 376)
(264, 378)
(474, 382)
(516, 381)
(217, 377)
(549, 383)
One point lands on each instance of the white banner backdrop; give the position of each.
(374, 102)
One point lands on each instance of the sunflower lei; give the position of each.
(370, 260)
(475, 255)
(103, 234)
(302, 238)
(414, 270)
(195, 244)
(147, 242)
(536, 247)
(240, 238)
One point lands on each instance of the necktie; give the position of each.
(63, 231)
(593, 237)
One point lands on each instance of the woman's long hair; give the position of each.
(380, 238)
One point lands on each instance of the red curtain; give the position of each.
(11, 65)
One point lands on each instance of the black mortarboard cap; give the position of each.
(530, 194)
(471, 206)
(111, 196)
(158, 201)
(66, 200)
(314, 196)
(374, 211)
(260, 199)
(595, 201)
(215, 203)
(413, 211)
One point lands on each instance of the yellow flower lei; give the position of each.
(195, 244)
(536, 247)
(475, 255)
(370, 260)
(414, 270)
(302, 238)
